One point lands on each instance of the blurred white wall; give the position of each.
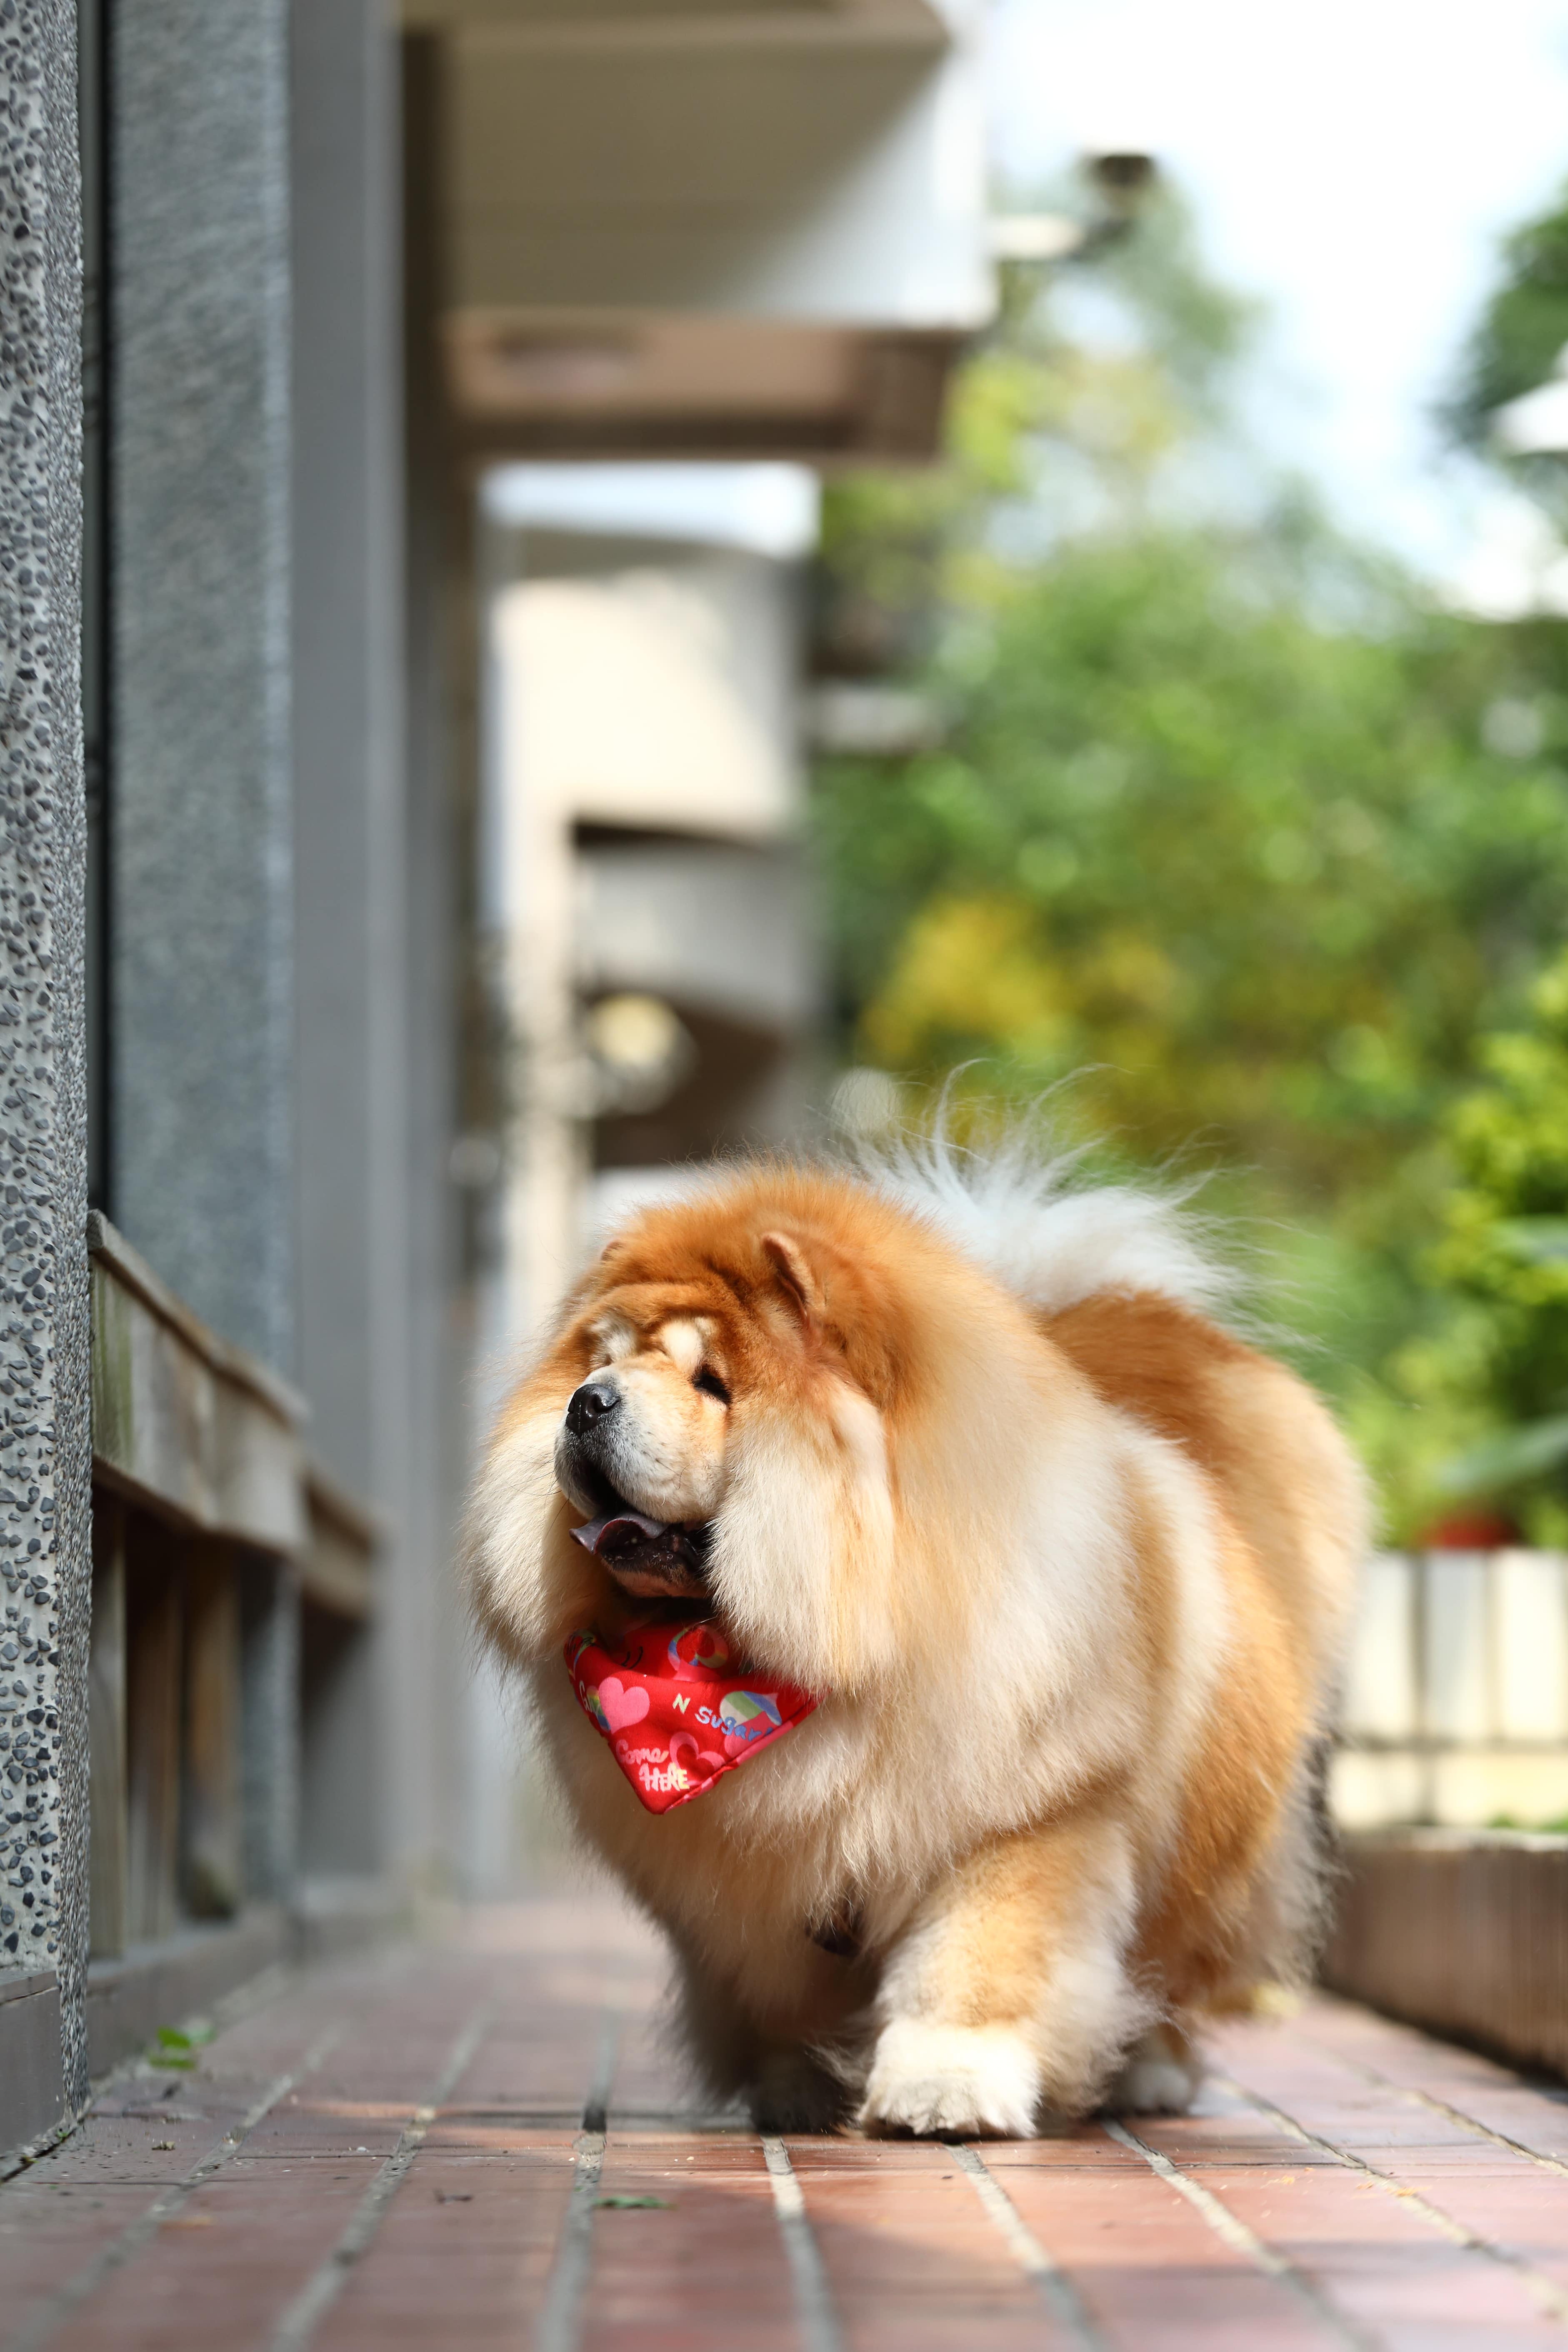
(651, 708)
(643, 789)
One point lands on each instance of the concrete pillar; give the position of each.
(349, 828)
(201, 872)
(44, 1563)
(440, 662)
(349, 818)
(373, 1049)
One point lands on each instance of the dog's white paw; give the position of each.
(1160, 2077)
(952, 2078)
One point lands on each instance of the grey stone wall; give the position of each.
(44, 1435)
(201, 873)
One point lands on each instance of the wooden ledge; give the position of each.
(335, 1570)
(208, 1438)
(110, 1250)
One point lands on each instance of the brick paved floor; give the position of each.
(420, 2148)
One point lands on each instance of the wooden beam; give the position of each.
(108, 1830)
(337, 1570)
(212, 1841)
(181, 1421)
(153, 1629)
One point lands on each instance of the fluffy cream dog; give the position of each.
(956, 1449)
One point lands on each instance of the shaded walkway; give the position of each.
(483, 2144)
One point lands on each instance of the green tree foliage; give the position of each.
(1522, 330)
(1221, 817)
(1494, 1367)
(1255, 876)
(1491, 1365)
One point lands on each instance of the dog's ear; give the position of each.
(796, 1278)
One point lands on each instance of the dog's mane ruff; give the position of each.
(1025, 1212)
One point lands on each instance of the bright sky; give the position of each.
(1355, 162)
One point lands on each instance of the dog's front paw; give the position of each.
(792, 2093)
(1160, 2076)
(970, 2081)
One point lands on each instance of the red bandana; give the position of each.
(676, 1708)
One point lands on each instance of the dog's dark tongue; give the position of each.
(618, 1531)
(630, 1543)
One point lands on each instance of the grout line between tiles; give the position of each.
(561, 2313)
(1050, 2282)
(813, 2300)
(1437, 2106)
(1547, 2294)
(166, 2204)
(322, 2289)
(1235, 2233)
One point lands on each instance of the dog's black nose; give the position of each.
(590, 1404)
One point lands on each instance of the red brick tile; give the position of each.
(1488, 2093)
(702, 2271)
(1226, 2129)
(223, 2269)
(1149, 2268)
(56, 2230)
(61, 2215)
(913, 2260)
(1498, 2197)
(462, 2256)
(465, 2246)
(1375, 2259)
(1507, 2203)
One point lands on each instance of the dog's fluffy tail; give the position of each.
(1026, 1212)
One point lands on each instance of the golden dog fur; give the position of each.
(1067, 1567)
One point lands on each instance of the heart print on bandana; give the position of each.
(678, 1708)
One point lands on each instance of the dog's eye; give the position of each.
(707, 1380)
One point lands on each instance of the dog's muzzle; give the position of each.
(651, 1558)
(583, 1449)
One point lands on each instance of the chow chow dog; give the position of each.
(1052, 1570)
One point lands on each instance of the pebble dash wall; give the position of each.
(203, 1019)
(45, 1462)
